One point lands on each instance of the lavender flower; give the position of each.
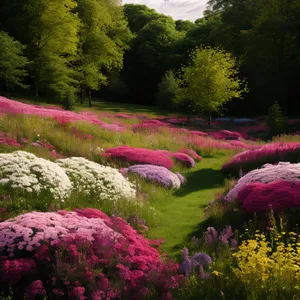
(210, 236)
(157, 174)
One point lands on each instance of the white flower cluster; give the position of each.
(23, 170)
(99, 181)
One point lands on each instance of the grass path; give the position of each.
(180, 215)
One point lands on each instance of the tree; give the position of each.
(167, 90)
(52, 37)
(104, 36)
(210, 80)
(12, 62)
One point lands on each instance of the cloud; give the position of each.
(178, 9)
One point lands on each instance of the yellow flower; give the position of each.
(216, 273)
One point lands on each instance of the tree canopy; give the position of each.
(209, 80)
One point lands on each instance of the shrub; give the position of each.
(131, 155)
(97, 181)
(157, 174)
(276, 121)
(167, 90)
(82, 255)
(267, 174)
(279, 195)
(269, 153)
(24, 171)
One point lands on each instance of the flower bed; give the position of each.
(269, 153)
(191, 153)
(131, 155)
(98, 181)
(24, 171)
(113, 127)
(278, 195)
(267, 174)
(155, 174)
(225, 135)
(81, 255)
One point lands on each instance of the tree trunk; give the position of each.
(82, 95)
(36, 89)
(209, 118)
(90, 99)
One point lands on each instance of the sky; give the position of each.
(178, 9)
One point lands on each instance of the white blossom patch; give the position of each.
(101, 182)
(25, 171)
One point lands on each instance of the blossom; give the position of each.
(35, 289)
(269, 153)
(156, 174)
(281, 195)
(139, 156)
(90, 245)
(25, 171)
(268, 173)
(191, 153)
(8, 106)
(94, 179)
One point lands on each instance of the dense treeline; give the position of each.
(75, 47)
(71, 46)
(263, 35)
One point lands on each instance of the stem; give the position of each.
(209, 118)
(36, 89)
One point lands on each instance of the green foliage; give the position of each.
(12, 62)
(104, 36)
(52, 29)
(167, 90)
(210, 80)
(276, 121)
(117, 90)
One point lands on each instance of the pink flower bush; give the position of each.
(191, 153)
(180, 157)
(184, 159)
(225, 135)
(280, 195)
(149, 126)
(269, 153)
(82, 255)
(197, 132)
(156, 174)
(139, 156)
(267, 174)
(8, 141)
(124, 116)
(82, 135)
(113, 127)
(62, 116)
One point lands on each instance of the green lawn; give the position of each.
(180, 215)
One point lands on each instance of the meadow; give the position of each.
(126, 202)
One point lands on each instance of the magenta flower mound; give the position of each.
(131, 155)
(150, 126)
(113, 127)
(62, 116)
(267, 174)
(103, 252)
(197, 132)
(8, 141)
(280, 195)
(269, 153)
(225, 135)
(191, 153)
(184, 159)
(156, 174)
(124, 116)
